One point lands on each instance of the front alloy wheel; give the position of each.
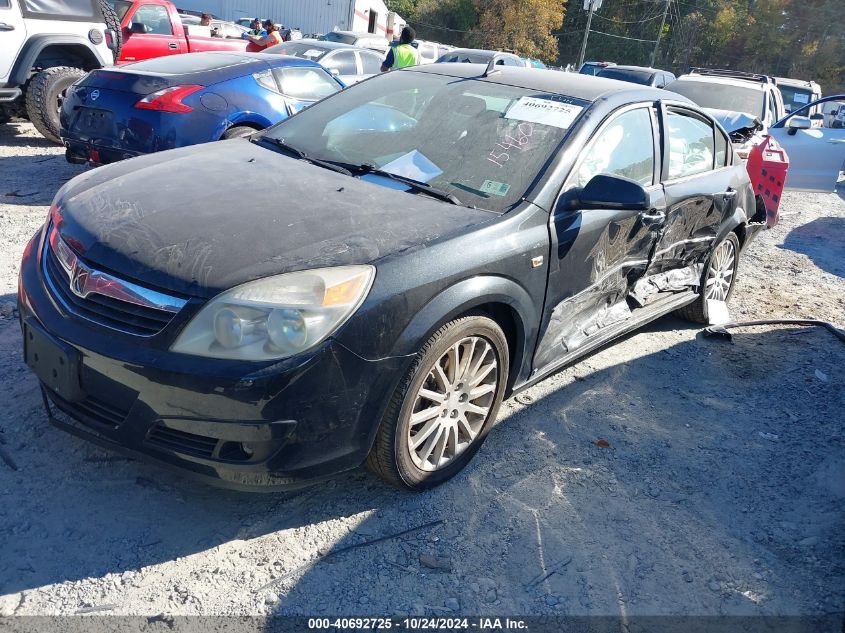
(453, 403)
(442, 410)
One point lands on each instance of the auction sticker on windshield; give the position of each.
(494, 187)
(544, 112)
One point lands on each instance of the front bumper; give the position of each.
(236, 424)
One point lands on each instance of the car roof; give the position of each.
(584, 87)
(480, 51)
(642, 68)
(798, 83)
(730, 81)
(321, 44)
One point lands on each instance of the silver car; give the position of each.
(348, 63)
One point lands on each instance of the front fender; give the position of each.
(467, 295)
(36, 44)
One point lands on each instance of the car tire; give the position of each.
(238, 131)
(718, 280)
(477, 349)
(112, 21)
(44, 98)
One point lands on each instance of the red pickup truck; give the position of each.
(152, 28)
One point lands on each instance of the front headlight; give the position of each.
(276, 317)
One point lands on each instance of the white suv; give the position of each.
(735, 99)
(45, 46)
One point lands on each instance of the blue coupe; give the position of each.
(180, 100)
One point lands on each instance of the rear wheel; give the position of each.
(45, 96)
(719, 279)
(444, 407)
(238, 131)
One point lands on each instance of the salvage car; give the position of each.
(816, 153)
(481, 56)
(533, 217)
(348, 63)
(183, 100)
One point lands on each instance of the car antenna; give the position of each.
(491, 67)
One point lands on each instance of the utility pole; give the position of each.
(659, 33)
(587, 31)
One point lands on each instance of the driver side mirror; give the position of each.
(334, 72)
(798, 123)
(610, 192)
(139, 28)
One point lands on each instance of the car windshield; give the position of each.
(633, 76)
(709, 94)
(344, 38)
(298, 49)
(591, 69)
(481, 142)
(794, 97)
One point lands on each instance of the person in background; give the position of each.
(205, 19)
(255, 30)
(270, 38)
(404, 54)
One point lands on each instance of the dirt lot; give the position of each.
(721, 493)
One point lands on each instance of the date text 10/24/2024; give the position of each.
(418, 624)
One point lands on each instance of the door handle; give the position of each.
(653, 217)
(173, 46)
(6, 27)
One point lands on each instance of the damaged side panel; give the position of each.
(600, 254)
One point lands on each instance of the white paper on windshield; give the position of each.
(800, 97)
(544, 111)
(413, 165)
(312, 52)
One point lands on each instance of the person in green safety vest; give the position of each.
(404, 54)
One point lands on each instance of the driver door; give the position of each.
(598, 254)
(816, 155)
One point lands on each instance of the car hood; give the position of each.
(201, 219)
(733, 121)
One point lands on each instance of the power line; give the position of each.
(622, 37)
(614, 21)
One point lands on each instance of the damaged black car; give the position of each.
(447, 236)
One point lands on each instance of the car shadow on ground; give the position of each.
(542, 510)
(823, 241)
(11, 136)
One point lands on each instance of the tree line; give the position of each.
(803, 39)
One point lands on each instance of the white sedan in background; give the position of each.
(816, 154)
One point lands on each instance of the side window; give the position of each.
(512, 61)
(344, 63)
(4, 4)
(155, 17)
(625, 147)
(305, 83)
(690, 145)
(659, 80)
(773, 111)
(371, 63)
(721, 150)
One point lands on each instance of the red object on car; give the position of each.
(767, 167)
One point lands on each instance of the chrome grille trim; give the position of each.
(100, 297)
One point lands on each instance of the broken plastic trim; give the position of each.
(722, 330)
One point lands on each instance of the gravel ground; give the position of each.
(721, 491)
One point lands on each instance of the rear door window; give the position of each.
(155, 17)
(691, 144)
(308, 84)
(623, 147)
(371, 63)
(343, 62)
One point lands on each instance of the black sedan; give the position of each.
(450, 234)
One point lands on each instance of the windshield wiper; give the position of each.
(282, 144)
(420, 186)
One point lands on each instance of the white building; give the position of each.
(310, 16)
